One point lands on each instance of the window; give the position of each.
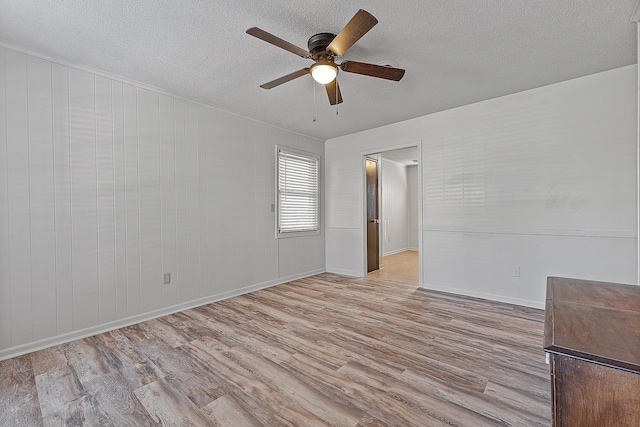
(298, 193)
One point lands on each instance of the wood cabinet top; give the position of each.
(594, 321)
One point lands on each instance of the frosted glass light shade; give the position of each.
(324, 73)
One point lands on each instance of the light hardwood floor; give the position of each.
(400, 267)
(325, 350)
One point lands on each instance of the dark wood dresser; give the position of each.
(592, 332)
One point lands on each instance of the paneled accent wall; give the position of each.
(542, 180)
(105, 186)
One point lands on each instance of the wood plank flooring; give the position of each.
(400, 267)
(325, 350)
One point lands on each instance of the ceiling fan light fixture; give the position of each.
(324, 72)
(324, 48)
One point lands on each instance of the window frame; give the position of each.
(311, 156)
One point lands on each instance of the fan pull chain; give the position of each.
(314, 100)
(337, 100)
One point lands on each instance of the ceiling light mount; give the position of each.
(318, 43)
(388, 63)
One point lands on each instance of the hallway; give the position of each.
(401, 267)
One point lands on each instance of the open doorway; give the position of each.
(373, 213)
(398, 238)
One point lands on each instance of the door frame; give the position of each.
(377, 154)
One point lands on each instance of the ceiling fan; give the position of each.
(323, 49)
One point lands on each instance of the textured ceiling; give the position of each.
(455, 52)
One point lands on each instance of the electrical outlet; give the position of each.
(167, 278)
(515, 271)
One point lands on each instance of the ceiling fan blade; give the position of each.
(284, 79)
(333, 92)
(359, 25)
(277, 41)
(373, 70)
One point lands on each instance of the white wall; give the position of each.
(394, 207)
(544, 180)
(412, 207)
(105, 186)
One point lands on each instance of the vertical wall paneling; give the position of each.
(192, 278)
(41, 196)
(105, 186)
(168, 196)
(268, 227)
(180, 278)
(263, 186)
(120, 199)
(202, 197)
(18, 169)
(543, 179)
(5, 289)
(245, 228)
(250, 232)
(132, 198)
(264, 196)
(225, 184)
(412, 210)
(235, 180)
(150, 209)
(299, 252)
(106, 199)
(212, 197)
(82, 133)
(62, 195)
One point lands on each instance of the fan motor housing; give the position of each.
(318, 44)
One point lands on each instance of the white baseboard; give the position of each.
(345, 272)
(106, 327)
(491, 297)
(398, 251)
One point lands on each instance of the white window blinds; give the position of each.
(298, 198)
